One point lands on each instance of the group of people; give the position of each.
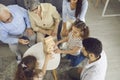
(21, 26)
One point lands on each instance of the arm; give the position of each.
(64, 13)
(56, 17)
(47, 58)
(4, 37)
(26, 17)
(71, 51)
(63, 40)
(83, 10)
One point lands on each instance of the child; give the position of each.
(74, 42)
(27, 69)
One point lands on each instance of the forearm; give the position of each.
(68, 52)
(45, 66)
(64, 25)
(9, 40)
(71, 51)
(56, 24)
(63, 40)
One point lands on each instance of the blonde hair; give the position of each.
(2, 8)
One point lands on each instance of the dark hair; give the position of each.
(26, 68)
(92, 45)
(78, 8)
(81, 25)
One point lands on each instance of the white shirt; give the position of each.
(95, 70)
(67, 13)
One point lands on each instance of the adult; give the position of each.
(14, 23)
(71, 10)
(96, 66)
(44, 18)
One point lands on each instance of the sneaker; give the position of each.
(18, 58)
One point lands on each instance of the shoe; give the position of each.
(18, 58)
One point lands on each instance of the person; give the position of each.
(41, 49)
(14, 23)
(72, 10)
(44, 18)
(96, 65)
(74, 42)
(28, 68)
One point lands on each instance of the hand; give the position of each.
(54, 33)
(24, 42)
(29, 31)
(79, 69)
(49, 32)
(58, 50)
(56, 44)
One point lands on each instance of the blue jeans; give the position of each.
(75, 60)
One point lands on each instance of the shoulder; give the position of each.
(47, 6)
(65, 1)
(16, 9)
(84, 1)
(13, 7)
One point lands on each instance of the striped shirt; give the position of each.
(74, 42)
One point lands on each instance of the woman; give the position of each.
(44, 18)
(73, 9)
(27, 69)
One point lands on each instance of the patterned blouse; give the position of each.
(74, 42)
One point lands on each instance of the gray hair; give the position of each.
(2, 8)
(31, 4)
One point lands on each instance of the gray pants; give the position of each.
(14, 47)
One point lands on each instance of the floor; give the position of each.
(107, 29)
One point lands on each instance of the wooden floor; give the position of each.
(108, 31)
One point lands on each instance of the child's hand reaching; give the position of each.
(58, 50)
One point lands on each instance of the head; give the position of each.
(26, 68)
(92, 48)
(5, 15)
(32, 5)
(78, 6)
(79, 28)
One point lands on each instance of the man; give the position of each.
(14, 23)
(96, 66)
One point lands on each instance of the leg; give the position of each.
(14, 49)
(40, 37)
(73, 74)
(54, 74)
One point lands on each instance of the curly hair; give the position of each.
(26, 68)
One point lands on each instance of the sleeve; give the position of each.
(26, 17)
(33, 25)
(5, 38)
(91, 76)
(64, 10)
(83, 10)
(55, 13)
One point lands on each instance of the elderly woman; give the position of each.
(44, 18)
